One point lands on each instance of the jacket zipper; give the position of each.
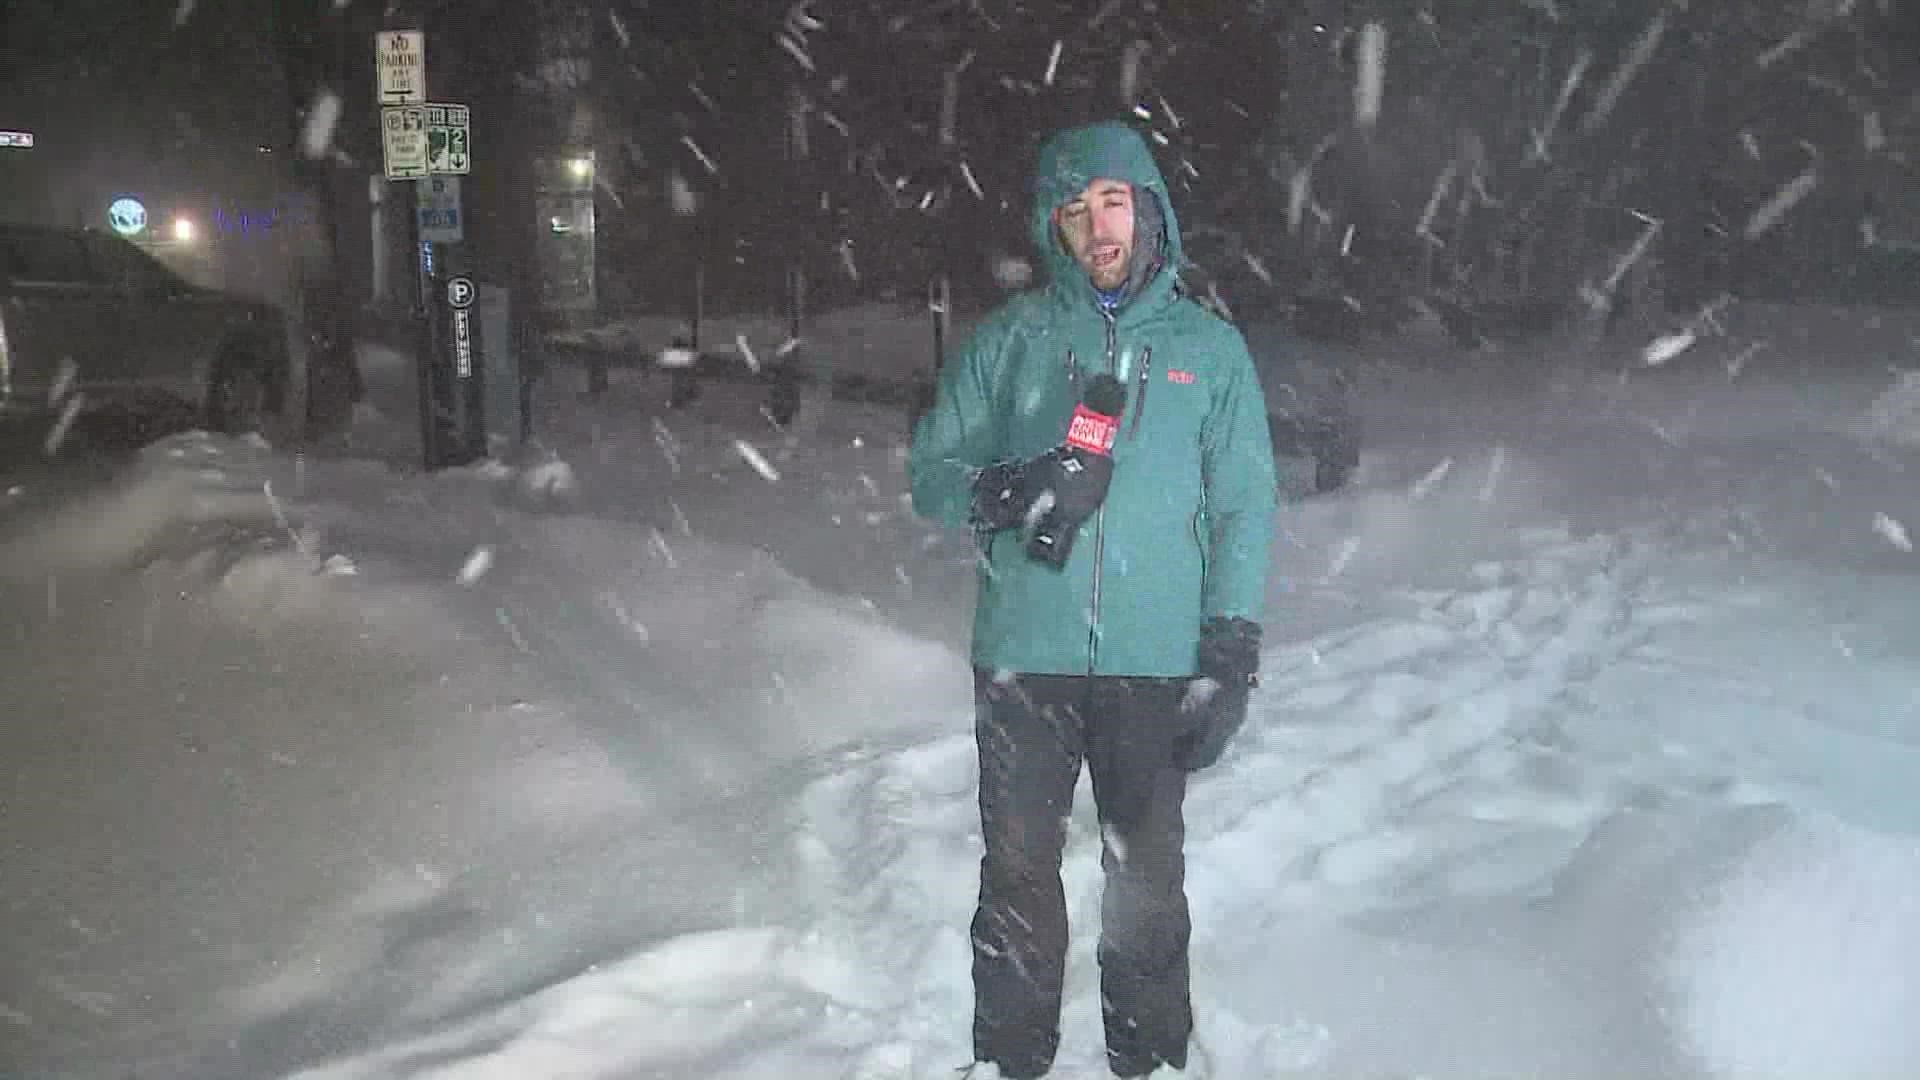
(1100, 524)
(1140, 395)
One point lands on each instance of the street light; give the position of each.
(183, 230)
(580, 167)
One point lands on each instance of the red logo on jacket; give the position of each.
(1184, 378)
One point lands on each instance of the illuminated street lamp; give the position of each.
(581, 168)
(127, 215)
(183, 230)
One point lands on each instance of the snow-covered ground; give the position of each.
(1586, 745)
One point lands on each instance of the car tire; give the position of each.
(1330, 475)
(1328, 444)
(237, 396)
(1338, 454)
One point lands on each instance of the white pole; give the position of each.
(376, 202)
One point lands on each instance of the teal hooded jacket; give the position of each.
(1186, 528)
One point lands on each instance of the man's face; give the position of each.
(1097, 225)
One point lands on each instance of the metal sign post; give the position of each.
(466, 394)
(430, 144)
(433, 434)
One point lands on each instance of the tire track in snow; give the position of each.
(1366, 749)
(1410, 758)
(1396, 758)
(1376, 758)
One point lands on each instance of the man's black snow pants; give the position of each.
(1034, 731)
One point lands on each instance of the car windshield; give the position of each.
(44, 257)
(126, 266)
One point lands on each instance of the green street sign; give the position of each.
(449, 139)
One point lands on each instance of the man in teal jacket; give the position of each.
(1134, 655)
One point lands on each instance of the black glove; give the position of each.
(1061, 488)
(1217, 700)
(1005, 491)
(1000, 496)
(1077, 483)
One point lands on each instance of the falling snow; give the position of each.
(1370, 79)
(1892, 531)
(1130, 72)
(476, 566)
(687, 141)
(316, 135)
(57, 435)
(299, 538)
(1445, 608)
(1665, 348)
(973, 183)
(1543, 138)
(1637, 56)
(1432, 479)
(1496, 469)
(752, 456)
(1776, 207)
(1343, 556)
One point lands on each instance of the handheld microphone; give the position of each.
(1081, 470)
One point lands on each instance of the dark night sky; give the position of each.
(172, 99)
(120, 99)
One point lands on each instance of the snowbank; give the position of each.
(1800, 961)
(1584, 749)
(401, 702)
(165, 497)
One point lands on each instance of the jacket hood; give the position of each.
(1072, 159)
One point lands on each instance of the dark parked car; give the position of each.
(89, 314)
(1304, 341)
(1309, 401)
